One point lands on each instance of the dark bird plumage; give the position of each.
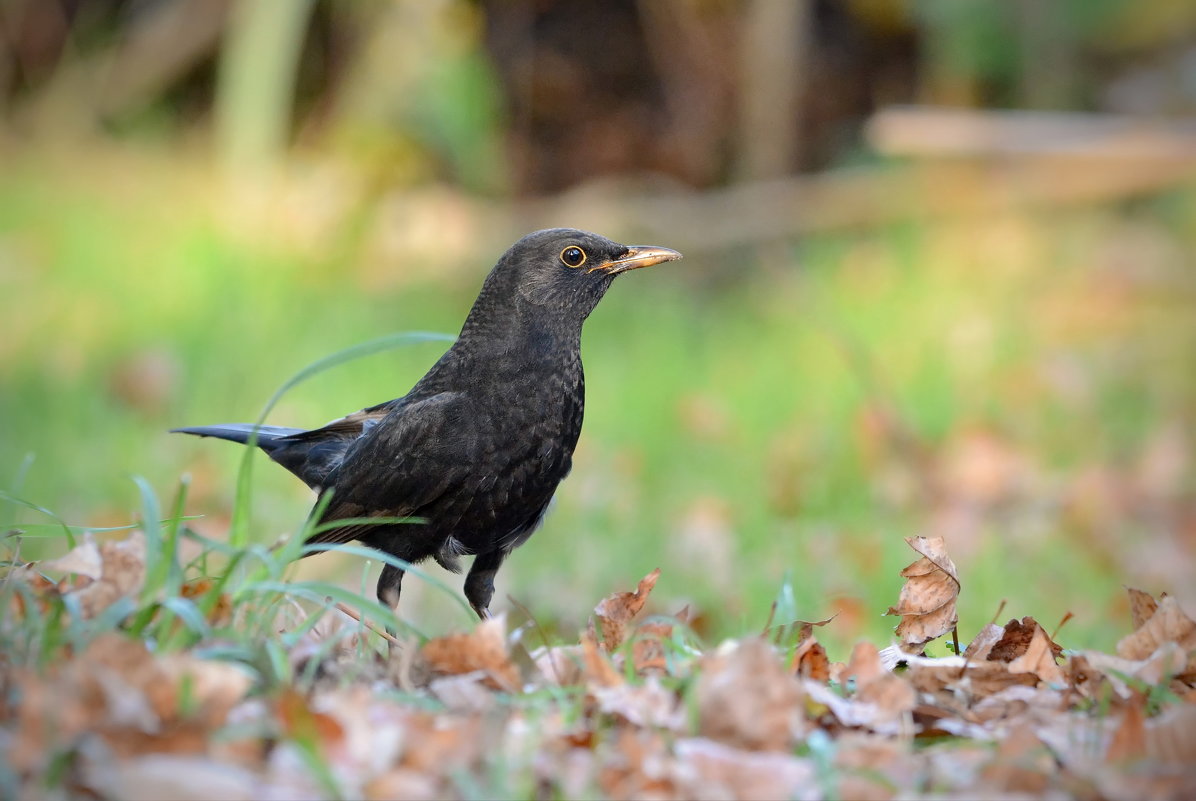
(478, 446)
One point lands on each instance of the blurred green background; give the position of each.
(938, 278)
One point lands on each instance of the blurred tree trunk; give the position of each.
(255, 92)
(774, 44)
(948, 76)
(1050, 62)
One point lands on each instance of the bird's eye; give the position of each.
(573, 256)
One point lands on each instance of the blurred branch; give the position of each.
(257, 79)
(938, 132)
(438, 226)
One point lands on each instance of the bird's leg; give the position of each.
(390, 583)
(479, 583)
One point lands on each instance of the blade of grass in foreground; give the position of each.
(239, 533)
(394, 561)
(70, 537)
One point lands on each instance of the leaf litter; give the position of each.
(635, 709)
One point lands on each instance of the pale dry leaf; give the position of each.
(372, 733)
(615, 611)
(706, 769)
(1167, 661)
(1169, 623)
(983, 642)
(636, 766)
(1022, 765)
(559, 664)
(956, 674)
(865, 663)
(881, 698)
(647, 704)
(184, 778)
(866, 713)
(1017, 702)
(927, 600)
(1129, 736)
(891, 658)
(1142, 606)
(871, 766)
(213, 687)
(746, 698)
(1038, 659)
(84, 559)
(463, 693)
(1171, 736)
(443, 744)
(598, 670)
(122, 574)
(484, 649)
(410, 785)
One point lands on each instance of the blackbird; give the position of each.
(476, 449)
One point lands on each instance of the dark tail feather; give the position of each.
(267, 436)
(311, 459)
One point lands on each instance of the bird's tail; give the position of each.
(267, 436)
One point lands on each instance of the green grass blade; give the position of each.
(402, 564)
(172, 530)
(157, 560)
(239, 533)
(18, 484)
(186, 611)
(13, 499)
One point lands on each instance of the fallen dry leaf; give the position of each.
(1142, 606)
(84, 559)
(559, 664)
(810, 661)
(1129, 738)
(222, 612)
(707, 769)
(615, 611)
(1016, 639)
(1169, 660)
(1022, 765)
(927, 600)
(1171, 737)
(647, 704)
(102, 573)
(301, 722)
(1003, 720)
(152, 777)
(122, 575)
(746, 698)
(982, 644)
(1169, 623)
(956, 674)
(1039, 659)
(483, 649)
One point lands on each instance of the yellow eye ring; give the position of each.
(573, 256)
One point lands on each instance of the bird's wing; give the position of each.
(350, 426)
(408, 459)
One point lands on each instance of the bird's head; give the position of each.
(570, 270)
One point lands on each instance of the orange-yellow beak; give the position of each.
(637, 256)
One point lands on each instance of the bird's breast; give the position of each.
(530, 430)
